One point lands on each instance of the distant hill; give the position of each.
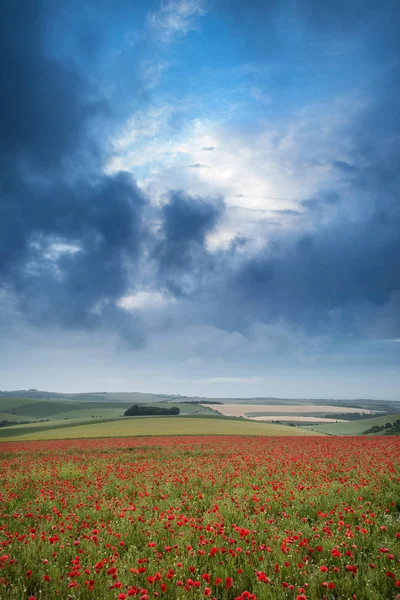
(44, 409)
(146, 397)
(40, 395)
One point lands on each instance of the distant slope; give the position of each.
(9, 404)
(22, 409)
(137, 397)
(353, 427)
(4, 416)
(51, 408)
(137, 426)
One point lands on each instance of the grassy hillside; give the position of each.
(22, 409)
(41, 412)
(137, 397)
(353, 427)
(35, 427)
(134, 426)
(10, 404)
(5, 416)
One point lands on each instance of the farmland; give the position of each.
(196, 517)
(35, 415)
(144, 426)
(239, 410)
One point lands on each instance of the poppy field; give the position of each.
(219, 517)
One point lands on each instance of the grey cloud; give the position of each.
(181, 254)
(52, 188)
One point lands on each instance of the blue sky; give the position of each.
(201, 197)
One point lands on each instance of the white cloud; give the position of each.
(144, 126)
(258, 172)
(144, 301)
(175, 18)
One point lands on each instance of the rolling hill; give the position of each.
(147, 426)
(353, 427)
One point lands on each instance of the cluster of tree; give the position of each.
(348, 416)
(388, 428)
(6, 423)
(143, 410)
(205, 401)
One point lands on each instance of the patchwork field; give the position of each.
(100, 414)
(225, 518)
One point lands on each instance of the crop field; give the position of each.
(200, 517)
(241, 410)
(297, 419)
(139, 426)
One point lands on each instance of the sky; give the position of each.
(200, 197)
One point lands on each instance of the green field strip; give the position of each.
(160, 426)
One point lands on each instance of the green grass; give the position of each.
(105, 412)
(41, 409)
(20, 409)
(5, 416)
(156, 426)
(54, 408)
(63, 412)
(353, 427)
(36, 428)
(14, 431)
(7, 404)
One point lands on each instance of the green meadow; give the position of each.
(146, 426)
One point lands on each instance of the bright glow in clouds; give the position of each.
(144, 300)
(271, 168)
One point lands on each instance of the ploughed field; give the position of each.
(200, 517)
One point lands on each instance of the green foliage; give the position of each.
(356, 416)
(146, 410)
(394, 428)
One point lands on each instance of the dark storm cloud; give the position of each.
(344, 272)
(331, 273)
(45, 105)
(102, 221)
(182, 254)
(52, 190)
